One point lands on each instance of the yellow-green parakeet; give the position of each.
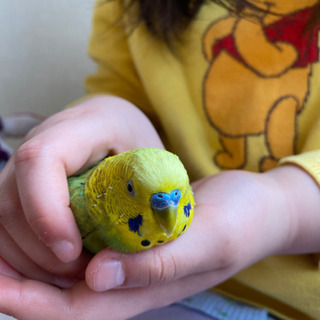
(132, 201)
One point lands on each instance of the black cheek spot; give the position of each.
(145, 243)
(184, 228)
(160, 241)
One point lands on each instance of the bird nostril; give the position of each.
(175, 196)
(160, 196)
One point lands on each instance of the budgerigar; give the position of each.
(132, 201)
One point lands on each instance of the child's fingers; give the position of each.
(33, 300)
(44, 197)
(8, 271)
(27, 299)
(20, 246)
(42, 165)
(14, 261)
(68, 142)
(34, 198)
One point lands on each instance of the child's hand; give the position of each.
(38, 234)
(236, 223)
(240, 218)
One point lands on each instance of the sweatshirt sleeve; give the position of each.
(309, 157)
(108, 47)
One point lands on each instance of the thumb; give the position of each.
(196, 251)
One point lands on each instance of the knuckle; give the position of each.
(43, 228)
(163, 267)
(37, 223)
(30, 152)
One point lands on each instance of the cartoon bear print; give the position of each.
(258, 77)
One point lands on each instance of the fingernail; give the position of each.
(108, 275)
(64, 250)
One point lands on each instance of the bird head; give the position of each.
(145, 193)
(156, 179)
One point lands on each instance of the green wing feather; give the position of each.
(78, 202)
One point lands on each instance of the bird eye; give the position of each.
(130, 188)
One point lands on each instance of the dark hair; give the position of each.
(167, 19)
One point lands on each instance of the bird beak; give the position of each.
(167, 219)
(165, 209)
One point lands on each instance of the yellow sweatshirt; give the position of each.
(237, 93)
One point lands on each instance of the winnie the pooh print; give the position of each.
(257, 81)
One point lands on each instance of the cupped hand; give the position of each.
(234, 226)
(236, 223)
(38, 234)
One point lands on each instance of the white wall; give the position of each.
(43, 56)
(43, 53)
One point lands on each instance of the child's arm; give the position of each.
(240, 218)
(36, 223)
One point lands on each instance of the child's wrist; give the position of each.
(297, 198)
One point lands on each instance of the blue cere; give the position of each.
(135, 223)
(187, 209)
(162, 200)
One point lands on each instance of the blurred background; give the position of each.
(43, 55)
